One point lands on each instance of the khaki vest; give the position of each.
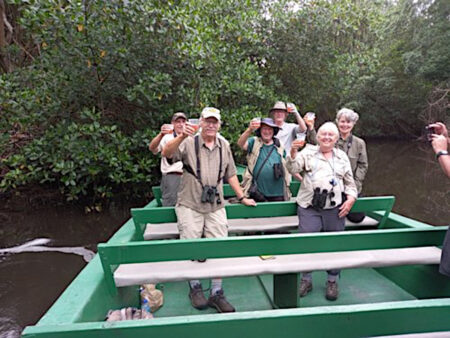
(251, 162)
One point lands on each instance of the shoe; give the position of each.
(332, 291)
(220, 303)
(305, 287)
(197, 297)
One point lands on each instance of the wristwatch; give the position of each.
(441, 153)
(240, 199)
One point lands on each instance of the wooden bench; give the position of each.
(340, 249)
(160, 223)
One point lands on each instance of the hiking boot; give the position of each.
(332, 291)
(220, 303)
(197, 297)
(305, 287)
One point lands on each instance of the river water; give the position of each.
(41, 251)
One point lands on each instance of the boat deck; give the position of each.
(356, 286)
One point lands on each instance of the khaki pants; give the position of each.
(193, 224)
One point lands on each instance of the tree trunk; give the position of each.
(4, 63)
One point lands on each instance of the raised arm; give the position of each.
(243, 139)
(154, 144)
(301, 124)
(172, 146)
(440, 145)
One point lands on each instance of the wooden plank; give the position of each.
(157, 194)
(337, 321)
(168, 250)
(142, 216)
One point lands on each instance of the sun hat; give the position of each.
(178, 115)
(279, 105)
(268, 122)
(211, 112)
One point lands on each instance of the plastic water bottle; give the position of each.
(145, 306)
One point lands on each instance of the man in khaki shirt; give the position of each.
(207, 160)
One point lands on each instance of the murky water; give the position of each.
(32, 277)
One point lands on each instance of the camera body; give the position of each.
(319, 198)
(277, 170)
(428, 131)
(209, 194)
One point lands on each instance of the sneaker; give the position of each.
(220, 303)
(305, 287)
(197, 297)
(332, 291)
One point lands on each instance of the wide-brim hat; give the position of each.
(211, 112)
(268, 122)
(179, 115)
(279, 105)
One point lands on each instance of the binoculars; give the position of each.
(209, 194)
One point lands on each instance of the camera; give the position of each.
(209, 194)
(255, 194)
(277, 171)
(319, 198)
(428, 131)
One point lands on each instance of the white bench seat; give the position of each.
(159, 272)
(239, 225)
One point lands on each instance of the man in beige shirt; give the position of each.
(207, 160)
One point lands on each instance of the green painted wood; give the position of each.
(422, 281)
(285, 290)
(142, 216)
(168, 250)
(157, 194)
(338, 321)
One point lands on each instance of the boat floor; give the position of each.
(356, 286)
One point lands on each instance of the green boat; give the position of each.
(390, 284)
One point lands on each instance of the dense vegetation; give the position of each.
(84, 85)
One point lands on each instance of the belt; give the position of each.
(175, 173)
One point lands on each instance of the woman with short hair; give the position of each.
(326, 195)
(355, 148)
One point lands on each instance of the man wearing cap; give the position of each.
(266, 165)
(207, 160)
(171, 172)
(287, 131)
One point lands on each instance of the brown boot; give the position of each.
(332, 291)
(220, 303)
(197, 297)
(305, 287)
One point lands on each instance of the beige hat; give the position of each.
(211, 112)
(178, 115)
(279, 105)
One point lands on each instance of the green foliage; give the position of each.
(84, 159)
(100, 77)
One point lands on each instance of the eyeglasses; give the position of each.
(211, 123)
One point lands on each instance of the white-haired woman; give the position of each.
(355, 148)
(327, 177)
